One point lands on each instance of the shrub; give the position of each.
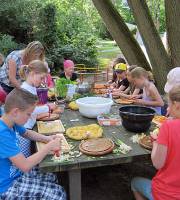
(7, 44)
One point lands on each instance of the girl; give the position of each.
(165, 157)
(34, 74)
(69, 71)
(150, 96)
(115, 62)
(9, 72)
(132, 90)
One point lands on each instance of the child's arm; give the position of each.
(157, 100)
(32, 135)
(26, 164)
(158, 155)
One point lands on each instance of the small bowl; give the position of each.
(136, 118)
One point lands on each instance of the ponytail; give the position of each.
(23, 72)
(36, 66)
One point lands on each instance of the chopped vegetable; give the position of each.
(122, 147)
(137, 137)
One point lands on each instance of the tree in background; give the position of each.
(160, 60)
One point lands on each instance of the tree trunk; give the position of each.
(121, 33)
(158, 56)
(172, 9)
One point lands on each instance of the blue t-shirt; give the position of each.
(9, 147)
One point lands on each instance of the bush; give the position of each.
(7, 44)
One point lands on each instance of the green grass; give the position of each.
(107, 51)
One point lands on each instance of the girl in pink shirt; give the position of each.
(165, 157)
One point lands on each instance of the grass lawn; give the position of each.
(107, 51)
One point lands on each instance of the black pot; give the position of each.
(136, 118)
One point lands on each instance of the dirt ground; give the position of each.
(112, 182)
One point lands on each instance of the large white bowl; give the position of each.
(91, 107)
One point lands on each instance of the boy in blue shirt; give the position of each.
(16, 182)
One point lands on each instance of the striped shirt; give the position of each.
(4, 70)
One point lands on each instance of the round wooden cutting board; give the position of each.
(52, 117)
(96, 147)
(146, 142)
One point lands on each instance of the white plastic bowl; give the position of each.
(91, 107)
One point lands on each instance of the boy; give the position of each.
(15, 181)
(165, 157)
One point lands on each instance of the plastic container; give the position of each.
(91, 107)
(110, 120)
(42, 95)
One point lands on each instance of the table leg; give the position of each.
(75, 184)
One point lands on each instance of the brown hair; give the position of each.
(31, 49)
(36, 66)
(131, 68)
(174, 94)
(19, 98)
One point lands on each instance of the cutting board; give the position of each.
(64, 145)
(50, 127)
(96, 147)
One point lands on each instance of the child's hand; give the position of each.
(139, 101)
(134, 96)
(54, 145)
(52, 106)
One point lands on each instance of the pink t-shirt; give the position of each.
(166, 183)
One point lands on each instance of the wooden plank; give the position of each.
(75, 184)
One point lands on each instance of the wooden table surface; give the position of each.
(74, 167)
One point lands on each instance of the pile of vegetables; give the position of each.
(61, 87)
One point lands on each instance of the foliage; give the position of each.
(7, 44)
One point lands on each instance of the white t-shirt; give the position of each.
(38, 109)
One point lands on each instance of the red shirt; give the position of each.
(166, 183)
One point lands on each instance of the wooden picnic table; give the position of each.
(75, 166)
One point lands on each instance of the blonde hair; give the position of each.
(36, 66)
(31, 49)
(21, 99)
(137, 72)
(174, 94)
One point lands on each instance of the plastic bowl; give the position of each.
(91, 107)
(136, 118)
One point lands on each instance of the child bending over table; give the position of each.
(132, 90)
(34, 74)
(122, 82)
(114, 63)
(16, 179)
(150, 96)
(165, 157)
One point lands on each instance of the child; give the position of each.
(122, 82)
(150, 96)
(69, 71)
(165, 157)
(34, 74)
(115, 62)
(132, 90)
(16, 182)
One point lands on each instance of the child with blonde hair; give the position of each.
(9, 72)
(150, 97)
(34, 74)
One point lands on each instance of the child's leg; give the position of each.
(36, 188)
(141, 188)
